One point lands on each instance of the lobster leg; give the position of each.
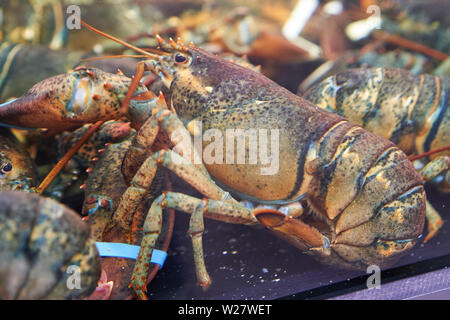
(143, 172)
(219, 210)
(434, 220)
(196, 228)
(144, 177)
(230, 212)
(293, 230)
(434, 168)
(152, 230)
(166, 120)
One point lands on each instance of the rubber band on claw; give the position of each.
(124, 250)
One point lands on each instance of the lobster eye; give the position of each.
(179, 58)
(6, 168)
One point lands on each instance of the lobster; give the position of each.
(411, 111)
(103, 190)
(103, 184)
(17, 170)
(23, 65)
(367, 199)
(43, 243)
(81, 163)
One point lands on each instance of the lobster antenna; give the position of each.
(69, 154)
(156, 51)
(115, 56)
(426, 154)
(130, 46)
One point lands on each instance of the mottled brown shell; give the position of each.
(69, 100)
(41, 244)
(363, 188)
(412, 111)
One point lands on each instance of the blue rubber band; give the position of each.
(8, 102)
(129, 251)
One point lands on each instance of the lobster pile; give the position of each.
(349, 151)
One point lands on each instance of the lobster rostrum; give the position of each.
(367, 199)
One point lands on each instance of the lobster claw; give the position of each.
(103, 289)
(293, 230)
(68, 100)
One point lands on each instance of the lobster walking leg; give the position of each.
(144, 177)
(219, 210)
(151, 232)
(434, 221)
(196, 229)
(163, 119)
(434, 168)
(222, 211)
(143, 173)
